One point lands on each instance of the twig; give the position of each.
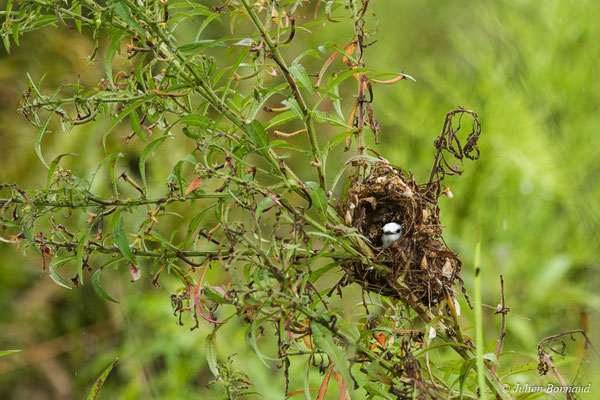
(96, 247)
(546, 363)
(547, 360)
(359, 35)
(501, 309)
(588, 342)
(96, 202)
(306, 113)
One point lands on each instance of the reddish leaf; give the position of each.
(199, 306)
(349, 51)
(344, 395)
(194, 185)
(381, 339)
(323, 388)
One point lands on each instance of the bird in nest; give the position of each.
(391, 232)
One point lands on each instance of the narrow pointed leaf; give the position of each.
(54, 264)
(99, 289)
(324, 341)
(120, 238)
(100, 381)
(7, 352)
(147, 150)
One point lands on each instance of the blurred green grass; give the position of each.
(527, 69)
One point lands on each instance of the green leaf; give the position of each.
(323, 117)
(324, 341)
(280, 119)
(189, 134)
(377, 389)
(42, 21)
(214, 295)
(125, 113)
(251, 337)
(176, 174)
(318, 273)
(38, 139)
(15, 30)
(294, 108)
(194, 223)
(196, 120)
(136, 125)
(464, 373)
(6, 41)
(100, 381)
(115, 46)
(124, 12)
(337, 139)
(211, 353)
(335, 99)
(263, 205)
(54, 264)
(336, 81)
(147, 150)
(260, 97)
(200, 45)
(299, 72)
(7, 352)
(79, 254)
(111, 159)
(29, 236)
(77, 11)
(491, 357)
(318, 196)
(307, 380)
(120, 238)
(282, 144)
(33, 86)
(258, 135)
(139, 67)
(99, 289)
(520, 368)
(310, 52)
(391, 75)
(157, 237)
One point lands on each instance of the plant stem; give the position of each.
(306, 113)
(96, 202)
(357, 15)
(479, 324)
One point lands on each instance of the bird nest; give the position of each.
(419, 264)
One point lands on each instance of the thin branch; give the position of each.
(501, 310)
(306, 113)
(359, 35)
(96, 202)
(161, 253)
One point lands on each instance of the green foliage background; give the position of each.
(527, 69)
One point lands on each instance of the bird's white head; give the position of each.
(391, 232)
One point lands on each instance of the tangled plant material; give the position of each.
(419, 263)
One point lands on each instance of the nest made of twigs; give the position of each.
(419, 263)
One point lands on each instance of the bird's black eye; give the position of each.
(398, 230)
